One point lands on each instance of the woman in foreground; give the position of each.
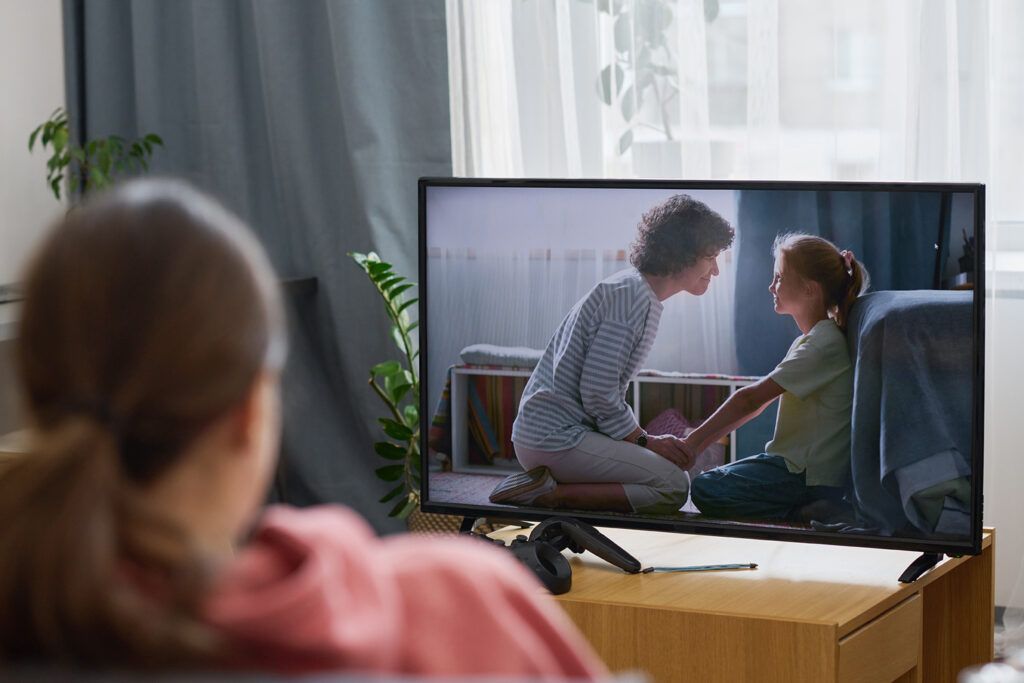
(151, 343)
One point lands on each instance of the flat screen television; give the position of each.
(503, 261)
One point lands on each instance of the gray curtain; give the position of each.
(312, 120)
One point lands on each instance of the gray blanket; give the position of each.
(913, 368)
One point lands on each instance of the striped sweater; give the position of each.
(579, 384)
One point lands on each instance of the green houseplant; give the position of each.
(398, 386)
(91, 164)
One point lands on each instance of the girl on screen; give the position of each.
(804, 468)
(133, 535)
(575, 435)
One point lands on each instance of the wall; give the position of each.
(32, 81)
(1004, 464)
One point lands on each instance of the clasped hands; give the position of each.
(678, 451)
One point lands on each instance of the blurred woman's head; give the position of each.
(151, 336)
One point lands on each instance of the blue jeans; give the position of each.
(758, 487)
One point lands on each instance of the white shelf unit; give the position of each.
(459, 407)
(459, 403)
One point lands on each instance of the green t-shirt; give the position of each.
(812, 429)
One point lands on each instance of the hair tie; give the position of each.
(848, 259)
(98, 411)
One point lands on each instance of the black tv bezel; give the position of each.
(972, 546)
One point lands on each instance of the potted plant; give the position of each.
(398, 386)
(92, 164)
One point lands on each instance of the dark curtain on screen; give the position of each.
(892, 233)
(312, 120)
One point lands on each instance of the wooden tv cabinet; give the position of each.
(807, 613)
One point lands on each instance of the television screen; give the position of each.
(789, 360)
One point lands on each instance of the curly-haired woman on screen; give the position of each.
(575, 435)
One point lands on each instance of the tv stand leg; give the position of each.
(467, 525)
(919, 566)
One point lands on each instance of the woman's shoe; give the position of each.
(524, 488)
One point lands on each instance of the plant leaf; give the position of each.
(103, 159)
(395, 430)
(629, 104)
(625, 141)
(390, 472)
(623, 32)
(604, 85)
(393, 294)
(96, 178)
(396, 335)
(387, 368)
(377, 269)
(407, 304)
(392, 493)
(386, 449)
(404, 507)
(398, 392)
(412, 416)
(60, 140)
(394, 280)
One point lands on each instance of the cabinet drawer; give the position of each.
(886, 647)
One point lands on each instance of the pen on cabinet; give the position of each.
(702, 567)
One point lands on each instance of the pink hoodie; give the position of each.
(316, 590)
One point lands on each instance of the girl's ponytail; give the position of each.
(62, 507)
(856, 283)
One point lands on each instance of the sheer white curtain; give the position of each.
(904, 90)
(802, 89)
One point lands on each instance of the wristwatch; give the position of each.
(642, 439)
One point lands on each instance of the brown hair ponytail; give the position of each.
(855, 284)
(64, 512)
(842, 278)
(148, 314)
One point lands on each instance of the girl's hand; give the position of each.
(688, 447)
(671, 448)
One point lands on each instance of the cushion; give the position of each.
(504, 356)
